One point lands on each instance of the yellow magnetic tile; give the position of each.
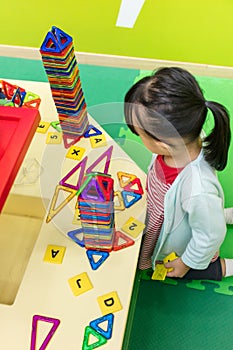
(109, 303)
(80, 284)
(159, 273)
(54, 254)
(75, 152)
(43, 127)
(98, 141)
(76, 218)
(54, 137)
(133, 227)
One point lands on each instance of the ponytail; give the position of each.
(217, 143)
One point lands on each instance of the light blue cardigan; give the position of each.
(194, 226)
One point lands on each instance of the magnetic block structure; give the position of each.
(61, 67)
(54, 254)
(17, 127)
(80, 284)
(96, 207)
(109, 303)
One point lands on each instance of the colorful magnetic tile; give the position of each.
(133, 227)
(98, 340)
(98, 141)
(35, 326)
(104, 331)
(76, 218)
(43, 127)
(78, 169)
(92, 131)
(121, 241)
(134, 186)
(92, 254)
(75, 153)
(68, 139)
(54, 254)
(74, 235)
(54, 208)
(92, 191)
(109, 303)
(125, 178)
(56, 125)
(54, 138)
(107, 154)
(159, 273)
(130, 198)
(118, 201)
(80, 284)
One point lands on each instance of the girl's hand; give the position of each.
(179, 268)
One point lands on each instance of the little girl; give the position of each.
(185, 204)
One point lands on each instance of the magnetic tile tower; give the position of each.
(96, 208)
(61, 67)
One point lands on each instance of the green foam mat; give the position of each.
(174, 317)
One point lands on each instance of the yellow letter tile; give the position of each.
(98, 141)
(54, 137)
(43, 127)
(54, 254)
(109, 303)
(75, 152)
(133, 227)
(80, 284)
(159, 273)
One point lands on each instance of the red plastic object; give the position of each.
(17, 127)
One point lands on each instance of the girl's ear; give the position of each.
(162, 145)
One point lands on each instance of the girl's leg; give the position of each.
(213, 272)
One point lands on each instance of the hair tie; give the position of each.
(206, 104)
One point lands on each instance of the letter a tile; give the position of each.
(54, 254)
(109, 303)
(98, 141)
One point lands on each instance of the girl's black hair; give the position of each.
(170, 103)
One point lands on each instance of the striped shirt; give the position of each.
(159, 180)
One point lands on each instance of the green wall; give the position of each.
(189, 31)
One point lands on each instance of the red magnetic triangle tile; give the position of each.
(127, 242)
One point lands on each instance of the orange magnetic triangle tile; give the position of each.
(125, 178)
(53, 210)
